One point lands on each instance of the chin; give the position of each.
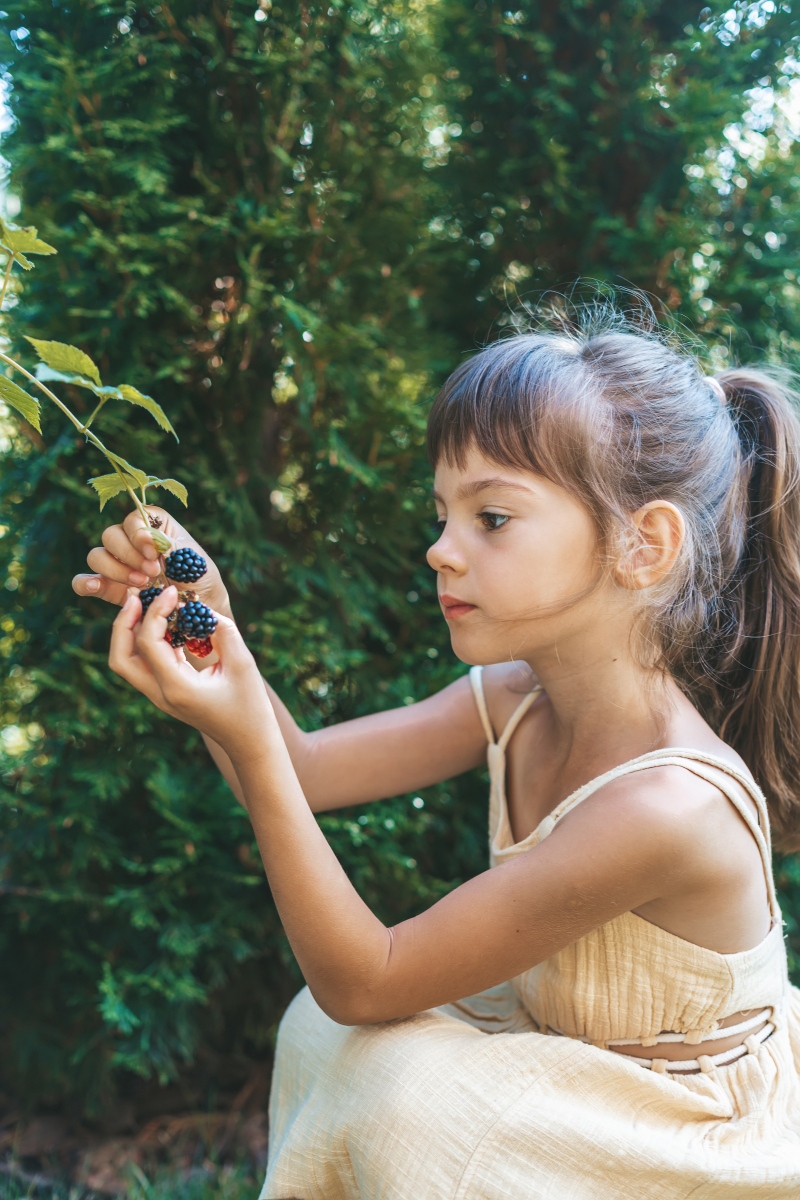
(473, 651)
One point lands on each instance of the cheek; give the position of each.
(554, 559)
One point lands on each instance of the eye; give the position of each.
(437, 528)
(493, 521)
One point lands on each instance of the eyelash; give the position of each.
(492, 516)
(438, 526)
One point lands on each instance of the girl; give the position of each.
(619, 559)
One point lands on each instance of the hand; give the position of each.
(228, 702)
(128, 559)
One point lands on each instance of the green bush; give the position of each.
(287, 230)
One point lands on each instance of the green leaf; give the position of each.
(24, 262)
(48, 375)
(18, 238)
(140, 477)
(14, 396)
(161, 541)
(107, 486)
(170, 485)
(156, 411)
(69, 359)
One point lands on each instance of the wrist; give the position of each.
(252, 754)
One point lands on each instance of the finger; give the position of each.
(100, 588)
(141, 535)
(151, 640)
(229, 644)
(103, 563)
(118, 544)
(123, 657)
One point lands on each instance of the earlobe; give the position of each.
(658, 532)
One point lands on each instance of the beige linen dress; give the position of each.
(514, 1095)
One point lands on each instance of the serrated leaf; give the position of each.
(19, 238)
(139, 477)
(69, 359)
(161, 541)
(48, 375)
(156, 411)
(171, 485)
(14, 396)
(25, 263)
(107, 486)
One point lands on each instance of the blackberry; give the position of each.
(175, 639)
(195, 620)
(184, 566)
(147, 596)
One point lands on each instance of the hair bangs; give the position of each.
(507, 400)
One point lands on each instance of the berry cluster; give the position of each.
(147, 596)
(189, 625)
(195, 620)
(184, 566)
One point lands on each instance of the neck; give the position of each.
(601, 697)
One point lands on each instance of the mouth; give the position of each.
(453, 607)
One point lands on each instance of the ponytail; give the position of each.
(750, 687)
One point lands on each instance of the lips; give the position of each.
(453, 607)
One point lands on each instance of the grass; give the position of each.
(229, 1183)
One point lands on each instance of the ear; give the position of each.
(658, 533)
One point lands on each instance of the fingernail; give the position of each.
(93, 585)
(138, 579)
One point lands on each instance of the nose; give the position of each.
(444, 555)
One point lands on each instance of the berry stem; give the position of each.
(6, 279)
(82, 428)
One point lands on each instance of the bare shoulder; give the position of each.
(669, 815)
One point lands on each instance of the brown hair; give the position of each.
(621, 416)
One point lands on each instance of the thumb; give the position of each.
(229, 644)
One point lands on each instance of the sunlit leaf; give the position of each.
(156, 411)
(140, 477)
(171, 485)
(17, 238)
(14, 396)
(48, 375)
(24, 262)
(69, 359)
(107, 486)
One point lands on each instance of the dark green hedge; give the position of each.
(288, 230)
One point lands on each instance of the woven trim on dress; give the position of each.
(704, 1062)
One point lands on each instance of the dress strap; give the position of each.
(476, 679)
(698, 763)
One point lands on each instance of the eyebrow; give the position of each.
(467, 490)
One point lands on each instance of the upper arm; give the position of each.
(389, 753)
(603, 860)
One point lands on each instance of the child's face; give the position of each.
(515, 560)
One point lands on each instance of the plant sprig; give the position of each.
(62, 363)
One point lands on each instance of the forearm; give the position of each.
(297, 741)
(341, 947)
(384, 754)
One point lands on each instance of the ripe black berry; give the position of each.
(195, 620)
(184, 566)
(147, 596)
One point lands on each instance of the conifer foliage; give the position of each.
(288, 222)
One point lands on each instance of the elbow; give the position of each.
(351, 1010)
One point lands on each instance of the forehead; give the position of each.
(479, 473)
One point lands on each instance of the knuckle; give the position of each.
(110, 534)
